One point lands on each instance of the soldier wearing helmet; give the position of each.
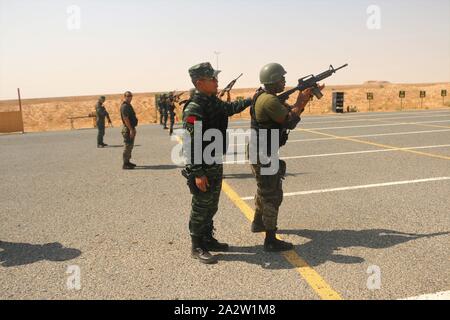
(269, 113)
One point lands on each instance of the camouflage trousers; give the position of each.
(204, 205)
(160, 116)
(101, 132)
(128, 144)
(172, 120)
(269, 194)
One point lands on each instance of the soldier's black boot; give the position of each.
(127, 166)
(132, 164)
(258, 224)
(272, 244)
(212, 244)
(199, 252)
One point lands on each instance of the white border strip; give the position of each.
(444, 295)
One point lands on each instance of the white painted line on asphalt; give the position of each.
(247, 132)
(364, 115)
(444, 295)
(347, 153)
(377, 185)
(447, 114)
(374, 125)
(361, 136)
(382, 119)
(364, 151)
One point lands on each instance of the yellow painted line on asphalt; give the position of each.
(432, 155)
(314, 280)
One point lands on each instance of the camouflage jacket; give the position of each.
(101, 112)
(213, 114)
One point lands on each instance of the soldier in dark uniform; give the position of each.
(159, 103)
(205, 179)
(130, 123)
(165, 109)
(270, 114)
(171, 111)
(101, 114)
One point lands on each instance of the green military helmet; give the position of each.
(102, 98)
(271, 73)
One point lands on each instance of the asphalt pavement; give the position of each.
(367, 206)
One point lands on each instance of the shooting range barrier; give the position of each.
(12, 121)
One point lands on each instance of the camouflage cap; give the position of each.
(102, 98)
(203, 70)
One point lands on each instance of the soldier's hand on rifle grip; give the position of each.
(202, 183)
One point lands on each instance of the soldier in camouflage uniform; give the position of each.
(159, 103)
(269, 113)
(171, 108)
(130, 123)
(101, 114)
(165, 109)
(205, 180)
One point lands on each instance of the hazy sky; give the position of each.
(148, 45)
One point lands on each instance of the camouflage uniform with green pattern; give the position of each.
(213, 114)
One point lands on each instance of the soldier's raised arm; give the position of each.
(232, 108)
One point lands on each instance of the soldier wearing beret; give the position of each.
(205, 179)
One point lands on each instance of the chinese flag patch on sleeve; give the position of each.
(191, 119)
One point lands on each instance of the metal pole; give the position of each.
(20, 109)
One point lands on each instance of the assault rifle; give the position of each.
(229, 87)
(310, 82)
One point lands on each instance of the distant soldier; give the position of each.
(171, 108)
(205, 178)
(165, 109)
(159, 103)
(130, 123)
(101, 114)
(272, 116)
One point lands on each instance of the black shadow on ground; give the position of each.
(250, 175)
(18, 254)
(323, 246)
(158, 167)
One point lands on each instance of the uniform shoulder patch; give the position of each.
(191, 119)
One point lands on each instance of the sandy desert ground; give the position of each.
(52, 113)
